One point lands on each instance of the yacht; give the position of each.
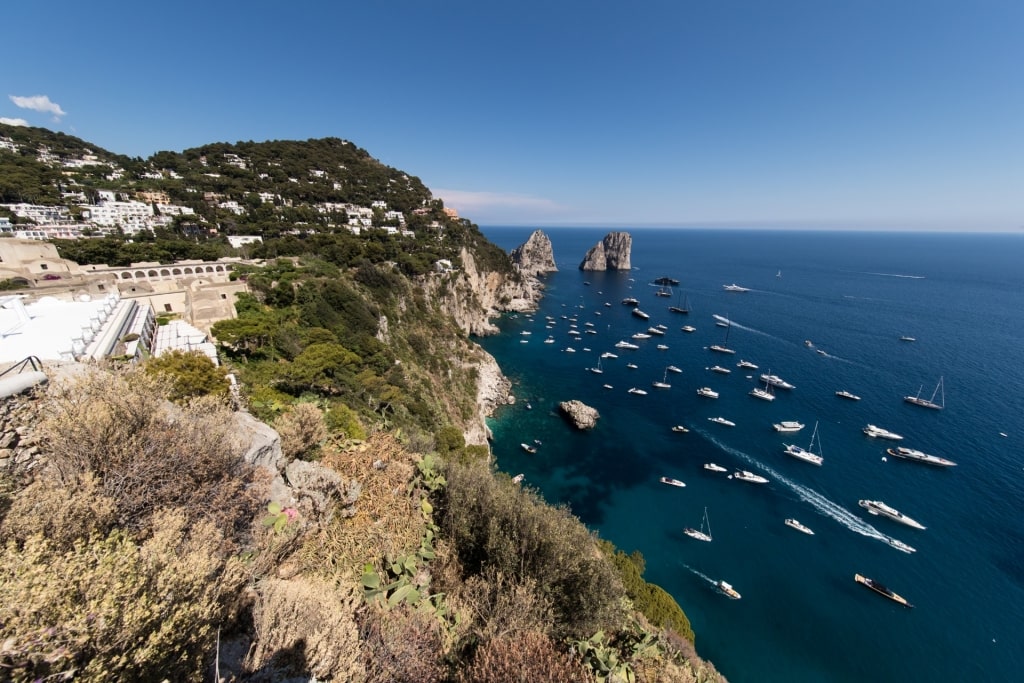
(569, 349)
(630, 301)
(632, 366)
(662, 347)
(625, 345)
(877, 507)
(906, 338)
(608, 354)
(640, 314)
(707, 392)
(776, 381)
(680, 429)
(688, 328)
(880, 589)
(788, 426)
(808, 454)
(720, 349)
(641, 335)
(900, 545)
(638, 392)
(673, 368)
(608, 386)
(929, 402)
(712, 467)
(763, 394)
(719, 369)
(847, 395)
(722, 421)
(798, 526)
(879, 433)
(528, 448)
(918, 456)
(656, 330)
(672, 482)
(735, 288)
(747, 365)
(727, 590)
(700, 534)
(744, 475)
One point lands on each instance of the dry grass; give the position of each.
(302, 430)
(528, 657)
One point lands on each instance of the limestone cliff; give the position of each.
(611, 253)
(535, 256)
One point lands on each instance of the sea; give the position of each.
(825, 311)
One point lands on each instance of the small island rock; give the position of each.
(611, 253)
(580, 414)
(535, 256)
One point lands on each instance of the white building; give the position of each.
(239, 240)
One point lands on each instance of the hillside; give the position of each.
(366, 538)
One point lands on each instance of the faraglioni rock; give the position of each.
(611, 253)
(579, 413)
(535, 256)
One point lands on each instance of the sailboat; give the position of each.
(724, 346)
(597, 370)
(808, 454)
(683, 305)
(663, 384)
(700, 534)
(930, 402)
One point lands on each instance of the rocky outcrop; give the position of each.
(534, 256)
(493, 389)
(579, 414)
(611, 253)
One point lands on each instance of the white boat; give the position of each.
(798, 526)
(747, 365)
(526, 333)
(788, 426)
(744, 475)
(930, 402)
(721, 320)
(735, 288)
(720, 349)
(630, 301)
(776, 381)
(847, 395)
(720, 370)
(707, 392)
(631, 366)
(683, 305)
(722, 421)
(918, 456)
(608, 354)
(528, 448)
(663, 384)
(712, 467)
(680, 429)
(764, 394)
(727, 590)
(608, 386)
(900, 545)
(625, 345)
(877, 507)
(808, 454)
(569, 349)
(597, 370)
(518, 478)
(549, 340)
(672, 482)
(662, 347)
(688, 328)
(673, 368)
(700, 534)
(656, 330)
(640, 314)
(907, 339)
(879, 433)
(638, 392)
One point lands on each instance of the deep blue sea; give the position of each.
(853, 295)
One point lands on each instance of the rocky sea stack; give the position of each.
(580, 414)
(611, 253)
(535, 256)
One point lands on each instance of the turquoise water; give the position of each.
(801, 617)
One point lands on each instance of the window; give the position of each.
(223, 296)
(167, 307)
(43, 266)
(100, 287)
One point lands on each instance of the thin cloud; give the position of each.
(13, 122)
(473, 202)
(40, 103)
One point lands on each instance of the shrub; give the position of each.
(341, 419)
(302, 430)
(63, 514)
(190, 374)
(529, 656)
(115, 611)
(401, 645)
(651, 600)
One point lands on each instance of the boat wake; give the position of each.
(815, 499)
(908, 277)
(701, 575)
(733, 323)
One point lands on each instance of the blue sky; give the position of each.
(798, 113)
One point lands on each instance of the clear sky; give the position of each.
(799, 113)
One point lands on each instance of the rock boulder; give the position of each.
(580, 414)
(535, 256)
(611, 253)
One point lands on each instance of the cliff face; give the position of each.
(535, 256)
(611, 253)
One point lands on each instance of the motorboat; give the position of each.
(918, 456)
(722, 421)
(625, 345)
(688, 328)
(672, 482)
(747, 365)
(847, 395)
(680, 429)
(608, 354)
(877, 507)
(879, 433)
(641, 335)
(518, 478)
(608, 386)
(776, 381)
(788, 426)
(798, 526)
(700, 534)
(712, 467)
(880, 589)
(662, 347)
(720, 370)
(907, 339)
(744, 475)
(666, 281)
(638, 392)
(901, 546)
(528, 448)
(569, 349)
(640, 314)
(632, 366)
(720, 349)
(929, 402)
(656, 330)
(630, 301)
(673, 368)
(707, 392)
(735, 288)
(721, 320)
(727, 590)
